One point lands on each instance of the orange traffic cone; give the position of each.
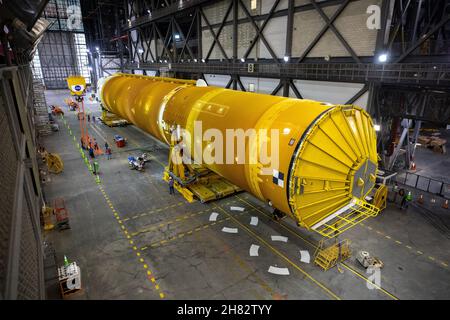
(445, 204)
(420, 199)
(413, 165)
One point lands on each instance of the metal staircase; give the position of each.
(327, 256)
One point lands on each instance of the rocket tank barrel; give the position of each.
(326, 157)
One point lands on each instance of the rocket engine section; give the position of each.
(314, 161)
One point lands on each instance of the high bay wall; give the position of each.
(62, 50)
(324, 50)
(351, 24)
(306, 25)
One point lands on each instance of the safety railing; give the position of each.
(423, 183)
(414, 73)
(147, 17)
(357, 212)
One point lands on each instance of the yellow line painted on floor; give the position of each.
(406, 246)
(167, 223)
(315, 247)
(328, 291)
(109, 203)
(150, 211)
(159, 243)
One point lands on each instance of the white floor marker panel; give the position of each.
(213, 216)
(279, 271)
(254, 250)
(237, 209)
(229, 230)
(254, 221)
(304, 256)
(279, 238)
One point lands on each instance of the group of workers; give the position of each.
(93, 146)
(89, 118)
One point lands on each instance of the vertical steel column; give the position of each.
(174, 45)
(285, 87)
(199, 35)
(235, 38)
(416, 22)
(235, 30)
(290, 28)
(381, 34)
(405, 125)
(119, 44)
(100, 24)
(418, 125)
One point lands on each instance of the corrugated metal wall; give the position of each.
(21, 254)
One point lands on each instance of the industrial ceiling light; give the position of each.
(242, 59)
(177, 36)
(203, 60)
(140, 50)
(97, 48)
(286, 59)
(165, 61)
(195, 60)
(377, 127)
(382, 57)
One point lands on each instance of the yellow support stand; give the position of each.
(112, 120)
(201, 184)
(54, 162)
(380, 197)
(47, 213)
(327, 256)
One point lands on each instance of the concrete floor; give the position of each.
(133, 240)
